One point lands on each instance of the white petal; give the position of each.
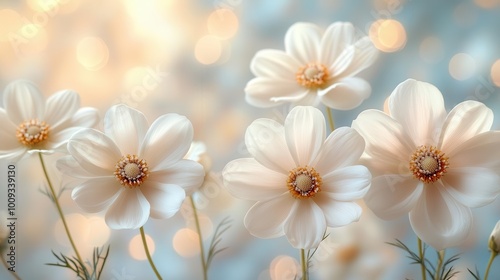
(7, 133)
(23, 101)
(167, 140)
(85, 117)
(245, 178)
(385, 139)
(265, 141)
(165, 199)
(185, 173)
(341, 63)
(347, 183)
(419, 108)
(365, 55)
(69, 166)
(439, 220)
(338, 213)
(302, 41)
(465, 121)
(305, 134)
(337, 37)
(306, 225)
(343, 147)
(13, 155)
(472, 186)
(196, 151)
(274, 64)
(94, 151)
(127, 127)
(311, 98)
(60, 108)
(58, 140)
(481, 150)
(269, 92)
(130, 210)
(345, 94)
(391, 196)
(261, 224)
(97, 194)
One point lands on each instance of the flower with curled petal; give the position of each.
(430, 164)
(29, 123)
(131, 170)
(301, 180)
(316, 66)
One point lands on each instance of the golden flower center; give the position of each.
(313, 75)
(428, 164)
(131, 171)
(32, 132)
(304, 182)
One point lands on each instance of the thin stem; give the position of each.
(421, 255)
(59, 210)
(303, 261)
(492, 257)
(441, 254)
(143, 236)
(330, 118)
(14, 274)
(200, 239)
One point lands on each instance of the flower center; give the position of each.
(131, 171)
(303, 182)
(32, 132)
(313, 75)
(428, 164)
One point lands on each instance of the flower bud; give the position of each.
(494, 242)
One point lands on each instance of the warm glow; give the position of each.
(208, 49)
(98, 232)
(495, 73)
(283, 268)
(206, 225)
(10, 22)
(92, 53)
(79, 226)
(222, 23)
(185, 243)
(388, 35)
(462, 66)
(487, 4)
(136, 248)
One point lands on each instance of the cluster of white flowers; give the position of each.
(414, 159)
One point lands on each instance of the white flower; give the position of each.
(430, 164)
(28, 122)
(315, 67)
(130, 170)
(494, 242)
(302, 182)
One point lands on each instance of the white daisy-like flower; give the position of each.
(316, 66)
(430, 164)
(29, 123)
(302, 183)
(130, 170)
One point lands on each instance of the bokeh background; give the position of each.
(192, 57)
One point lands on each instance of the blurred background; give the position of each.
(192, 57)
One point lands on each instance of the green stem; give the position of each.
(441, 254)
(421, 255)
(492, 257)
(303, 261)
(14, 274)
(200, 239)
(330, 118)
(143, 236)
(59, 210)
